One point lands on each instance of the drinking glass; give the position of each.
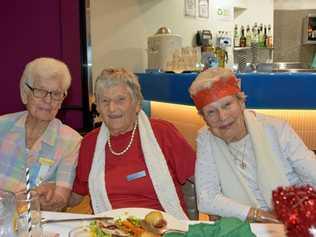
(28, 208)
(7, 211)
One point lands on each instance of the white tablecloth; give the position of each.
(63, 228)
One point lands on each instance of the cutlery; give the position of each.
(91, 218)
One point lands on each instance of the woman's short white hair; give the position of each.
(44, 68)
(117, 76)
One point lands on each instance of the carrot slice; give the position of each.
(137, 231)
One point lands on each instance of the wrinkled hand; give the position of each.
(46, 191)
(52, 197)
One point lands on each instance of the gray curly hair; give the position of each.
(116, 76)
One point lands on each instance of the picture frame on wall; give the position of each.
(190, 8)
(203, 6)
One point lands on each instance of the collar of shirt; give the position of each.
(50, 135)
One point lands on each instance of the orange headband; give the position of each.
(219, 89)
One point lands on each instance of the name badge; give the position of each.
(45, 164)
(46, 161)
(136, 175)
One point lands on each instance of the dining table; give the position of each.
(62, 229)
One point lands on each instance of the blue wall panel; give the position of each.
(263, 90)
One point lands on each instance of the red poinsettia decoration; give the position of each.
(296, 207)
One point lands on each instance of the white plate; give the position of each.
(268, 230)
(172, 222)
(82, 231)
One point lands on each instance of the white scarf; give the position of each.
(155, 162)
(270, 172)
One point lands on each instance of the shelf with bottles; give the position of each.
(258, 35)
(249, 48)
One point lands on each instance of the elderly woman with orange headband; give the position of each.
(243, 155)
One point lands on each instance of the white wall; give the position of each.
(294, 4)
(257, 12)
(119, 28)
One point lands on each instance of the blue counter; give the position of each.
(263, 90)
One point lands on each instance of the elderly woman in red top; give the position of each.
(131, 161)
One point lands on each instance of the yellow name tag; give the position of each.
(46, 161)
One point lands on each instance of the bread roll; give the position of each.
(155, 219)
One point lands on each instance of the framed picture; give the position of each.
(190, 8)
(203, 8)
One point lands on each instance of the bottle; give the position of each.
(269, 35)
(255, 39)
(243, 40)
(255, 27)
(260, 36)
(261, 27)
(219, 37)
(248, 36)
(265, 37)
(236, 36)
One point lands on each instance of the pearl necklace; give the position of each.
(128, 146)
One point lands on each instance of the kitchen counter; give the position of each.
(263, 90)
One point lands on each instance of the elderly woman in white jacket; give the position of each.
(243, 155)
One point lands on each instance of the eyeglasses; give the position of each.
(41, 93)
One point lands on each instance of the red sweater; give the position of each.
(138, 192)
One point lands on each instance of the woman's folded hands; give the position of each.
(52, 197)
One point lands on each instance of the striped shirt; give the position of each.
(53, 157)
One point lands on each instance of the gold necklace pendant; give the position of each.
(243, 165)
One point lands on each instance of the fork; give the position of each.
(90, 218)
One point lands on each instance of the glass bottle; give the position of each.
(269, 35)
(265, 36)
(261, 27)
(236, 37)
(255, 27)
(260, 36)
(248, 36)
(255, 39)
(243, 39)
